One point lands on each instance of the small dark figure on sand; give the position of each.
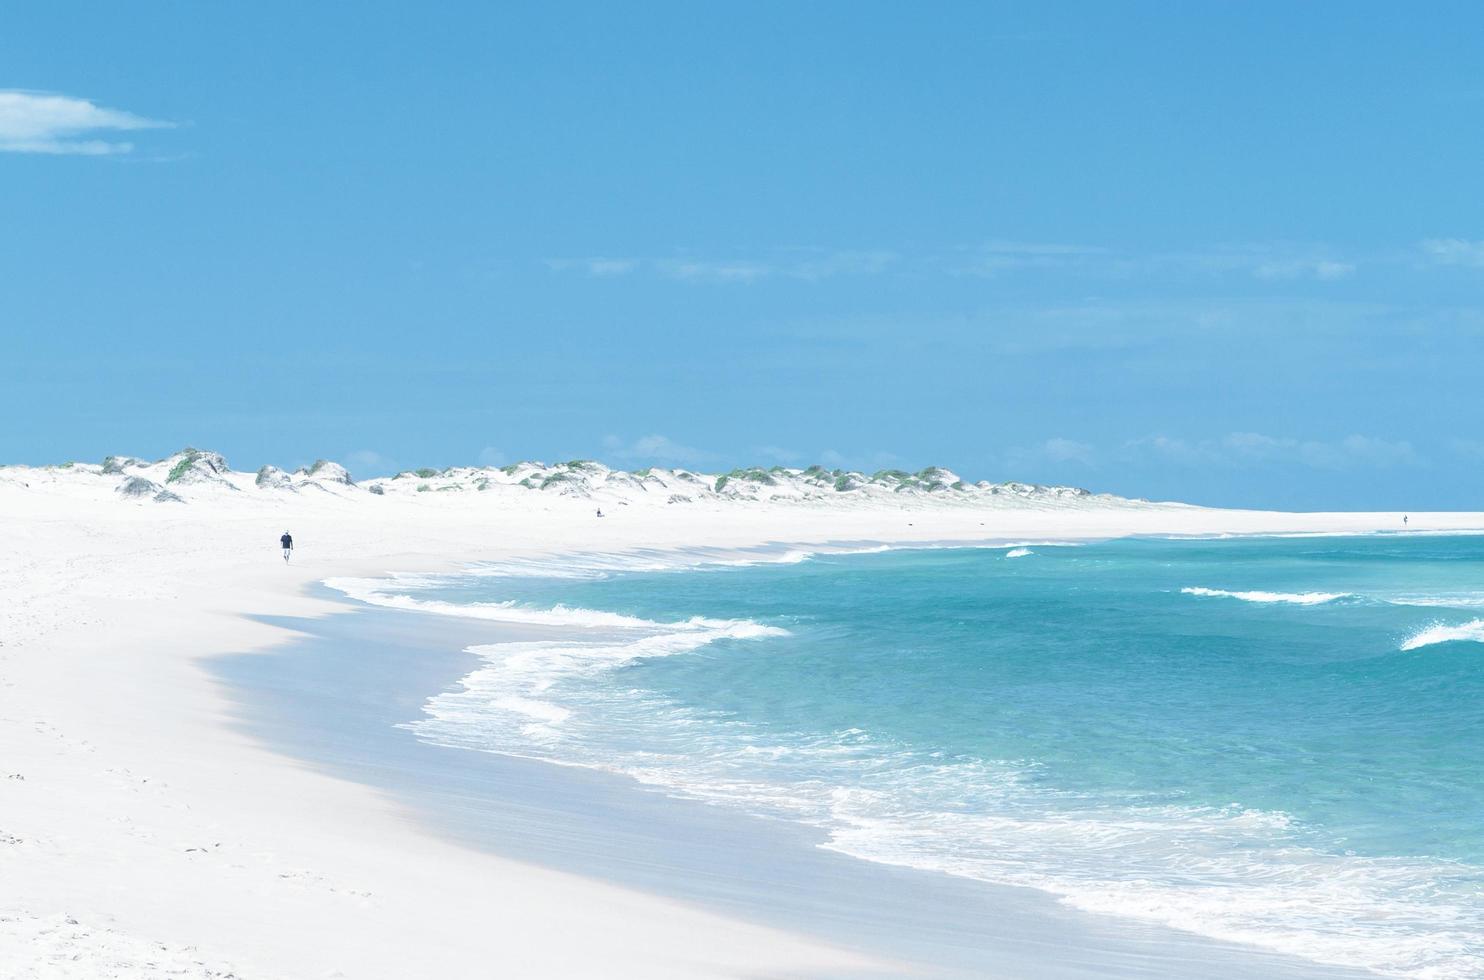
(288, 544)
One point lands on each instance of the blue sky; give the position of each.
(1230, 253)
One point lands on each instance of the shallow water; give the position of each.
(1274, 741)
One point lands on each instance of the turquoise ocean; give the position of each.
(1276, 741)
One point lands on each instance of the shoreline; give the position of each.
(141, 833)
(333, 698)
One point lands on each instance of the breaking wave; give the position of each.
(1470, 632)
(1293, 598)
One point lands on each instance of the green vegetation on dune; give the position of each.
(754, 474)
(187, 458)
(425, 473)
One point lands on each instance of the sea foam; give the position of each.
(1282, 887)
(1470, 632)
(990, 820)
(1293, 598)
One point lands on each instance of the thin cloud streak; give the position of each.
(806, 264)
(45, 123)
(1454, 251)
(1233, 450)
(655, 448)
(1280, 262)
(1245, 448)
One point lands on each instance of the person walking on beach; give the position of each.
(288, 544)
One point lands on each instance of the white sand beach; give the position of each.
(143, 836)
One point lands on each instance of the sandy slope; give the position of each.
(140, 836)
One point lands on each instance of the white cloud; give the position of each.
(368, 462)
(1276, 261)
(778, 454)
(490, 456)
(40, 122)
(654, 449)
(597, 266)
(1280, 261)
(1067, 451)
(1247, 448)
(724, 271)
(806, 264)
(1455, 251)
(833, 459)
(1055, 450)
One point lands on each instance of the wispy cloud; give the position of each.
(1279, 261)
(1270, 262)
(368, 462)
(1276, 261)
(655, 448)
(40, 122)
(597, 266)
(805, 264)
(722, 271)
(1057, 450)
(1245, 448)
(1454, 251)
(864, 461)
(1231, 451)
(778, 454)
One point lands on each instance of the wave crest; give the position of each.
(1470, 632)
(1292, 598)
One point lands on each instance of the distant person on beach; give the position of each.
(288, 544)
(600, 512)
(1404, 519)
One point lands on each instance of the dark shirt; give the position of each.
(287, 541)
